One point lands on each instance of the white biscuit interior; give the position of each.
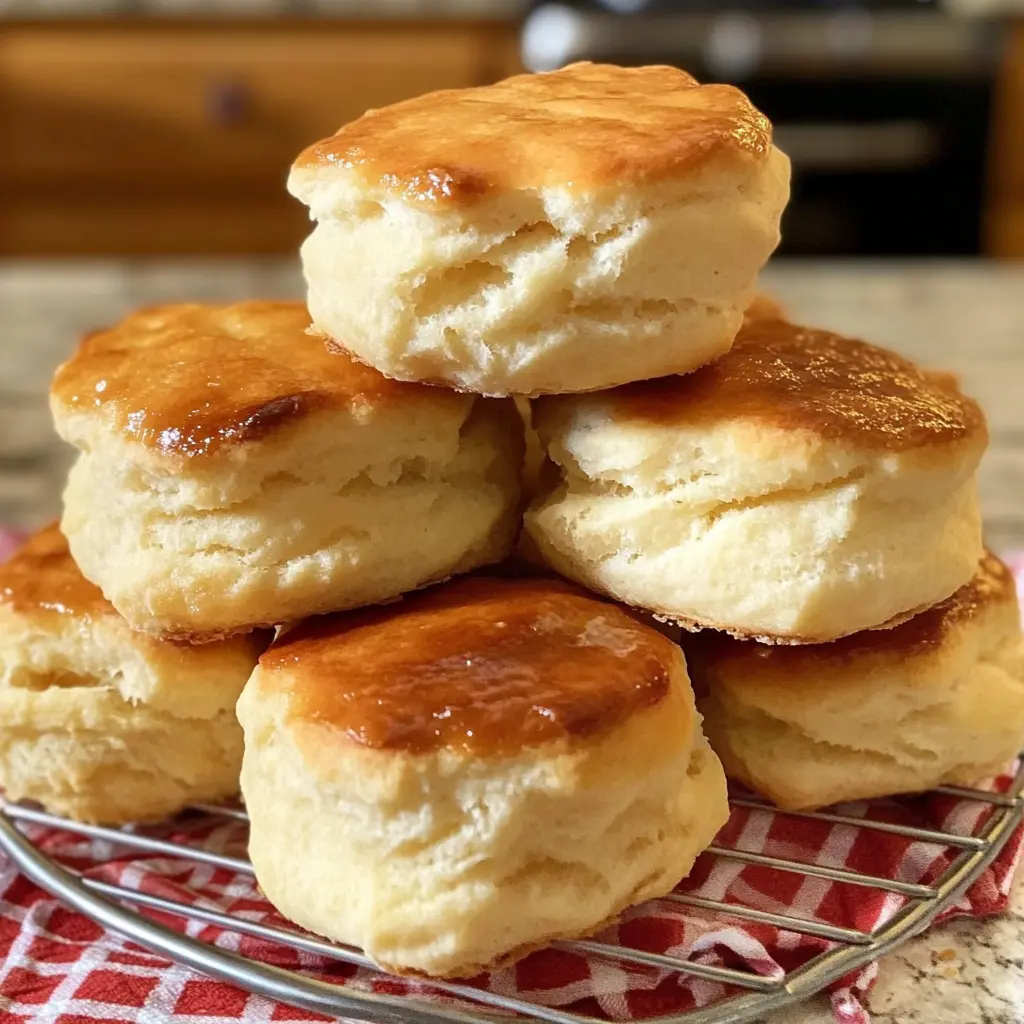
(771, 533)
(446, 863)
(896, 723)
(542, 290)
(104, 725)
(333, 515)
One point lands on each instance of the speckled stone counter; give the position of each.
(964, 972)
(968, 318)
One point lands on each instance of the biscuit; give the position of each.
(533, 457)
(764, 307)
(802, 487)
(100, 723)
(473, 772)
(550, 233)
(235, 474)
(938, 699)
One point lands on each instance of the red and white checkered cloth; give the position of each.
(61, 968)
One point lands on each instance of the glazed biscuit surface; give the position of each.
(586, 127)
(804, 380)
(42, 577)
(189, 380)
(484, 666)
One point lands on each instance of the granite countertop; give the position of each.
(963, 972)
(964, 317)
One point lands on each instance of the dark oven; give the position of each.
(883, 109)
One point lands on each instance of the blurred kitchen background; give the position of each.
(166, 126)
(144, 146)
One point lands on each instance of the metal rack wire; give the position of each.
(756, 995)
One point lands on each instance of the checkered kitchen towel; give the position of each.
(60, 967)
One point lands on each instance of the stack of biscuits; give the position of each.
(293, 507)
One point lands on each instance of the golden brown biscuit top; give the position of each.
(805, 379)
(486, 666)
(42, 576)
(584, 127)
(189, 380)
(991, 585)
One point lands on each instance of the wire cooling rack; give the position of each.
(751, 995)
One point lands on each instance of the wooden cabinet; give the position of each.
(155, 137)
(175, 137)
(1004, 228)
